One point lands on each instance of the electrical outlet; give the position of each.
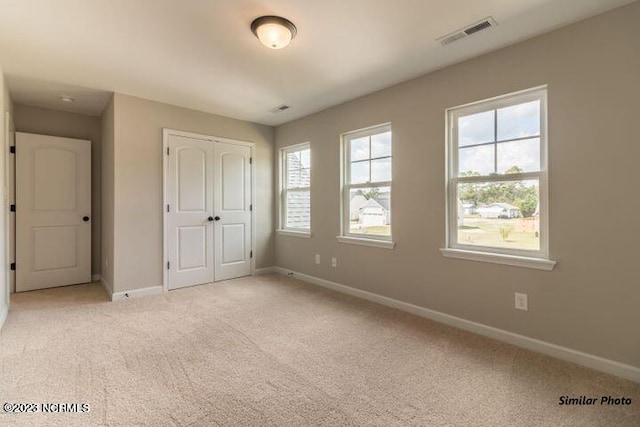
(317, 258)
(521, 302)
(334, 262)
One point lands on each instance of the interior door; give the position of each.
(232, 190)
(53, 211)
(189, 192)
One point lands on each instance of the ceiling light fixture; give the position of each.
(67, 99)
(274, 32)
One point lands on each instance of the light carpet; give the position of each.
(273, 351)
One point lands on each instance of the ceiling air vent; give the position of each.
(467, 31)
(279, 108)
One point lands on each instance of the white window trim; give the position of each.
(282, 229)
(515, 257)
(355, 238)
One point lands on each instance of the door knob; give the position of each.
(210, 218)
(217, 218)
(85, 218)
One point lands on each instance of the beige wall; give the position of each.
(138, 184)
(108, 184)
(45, 121)
(591, 301)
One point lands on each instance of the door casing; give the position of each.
(213, 139)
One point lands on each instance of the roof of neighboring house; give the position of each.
(499, 205)
(357, 201)
(372, 203)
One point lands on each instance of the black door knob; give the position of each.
(217, 218)
(85, 218)
(210, 218)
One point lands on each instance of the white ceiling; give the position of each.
(201, 54)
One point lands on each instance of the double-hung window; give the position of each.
(497, 180)
(366, 190)
(295, 190)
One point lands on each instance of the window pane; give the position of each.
(476, 160)
(381, 145)
(298, 209)
(294, 160)
(359, 148)
(305, 158)
(370, 211)
(519, 121)
(293, 178)
(359, 172)
(305, 177)
(381, 170)
(476, 128)
(519, 156)
(499, 214)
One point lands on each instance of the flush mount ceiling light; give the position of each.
(274, 32)
(67, 99)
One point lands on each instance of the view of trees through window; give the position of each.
(498, 182)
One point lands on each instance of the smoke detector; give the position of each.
(467, 31)
(280, 108)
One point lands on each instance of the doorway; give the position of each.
(53, 211)
(208, 209)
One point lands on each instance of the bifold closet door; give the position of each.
(189, 192)
(53, 211)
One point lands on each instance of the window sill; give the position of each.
(513, 260)
(384, 244)
(291, 233)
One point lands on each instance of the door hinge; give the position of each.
(12, 208)
(168, 265)
(13, 266)
(168, 209)
(167, 151)
(12, 149)
(251, 254)
(251, 207)
(250, 160)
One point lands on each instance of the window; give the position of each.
(295, 195)
(366, 189)
(497, 178)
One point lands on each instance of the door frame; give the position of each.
(166, 132)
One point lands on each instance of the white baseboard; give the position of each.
(137, 293)
(95, 277)
(107, 287)
(588, 360)
(264, 270)
(3, 315)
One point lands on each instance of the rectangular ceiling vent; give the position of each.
(488, 22)
(279, 108)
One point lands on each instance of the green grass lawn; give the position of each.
(516, 233)
(379, 230)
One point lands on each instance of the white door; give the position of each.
(189, 211)
(232, 190)
(53, 211)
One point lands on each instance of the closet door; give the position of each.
(232, 190)
(189, 211)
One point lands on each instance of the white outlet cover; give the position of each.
(334, 262)
(317, 258)
(521, 302)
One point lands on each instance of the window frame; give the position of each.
(284, 190)
(346, 236)
(509, 256)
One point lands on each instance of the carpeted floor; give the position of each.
(272, 351)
